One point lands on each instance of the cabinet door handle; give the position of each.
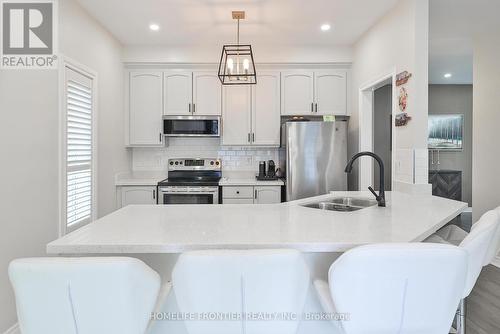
(189, 107)
(316, 107)
(255, 193)
(253, 137)
(154, 194)
(194, 108)
(312, 106)
(249, 137)
(160, 137)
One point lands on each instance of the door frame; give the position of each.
(366, 137)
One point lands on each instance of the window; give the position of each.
(79, 102)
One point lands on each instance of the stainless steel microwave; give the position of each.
(191, 126)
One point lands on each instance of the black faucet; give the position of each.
(381, 195)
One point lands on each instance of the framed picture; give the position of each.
(446, 132)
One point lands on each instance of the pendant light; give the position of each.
(236, 65)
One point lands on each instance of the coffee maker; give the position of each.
(270, 174)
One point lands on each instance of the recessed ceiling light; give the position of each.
(325, 27)
(448, 75)
(154, 27)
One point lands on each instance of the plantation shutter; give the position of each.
(79, 145)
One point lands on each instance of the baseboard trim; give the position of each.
(13, 330)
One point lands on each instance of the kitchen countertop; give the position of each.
(231, 181)
(139, 179)
(178, 228)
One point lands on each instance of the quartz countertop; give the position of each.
(139, 179)
(179, 228)
(231, 181)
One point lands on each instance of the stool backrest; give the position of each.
(83, 295)
(477, 243)
(398, 288)
(495, 241)
(218, 288)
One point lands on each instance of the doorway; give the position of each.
(382, 133)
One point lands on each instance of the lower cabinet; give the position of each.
(126, 195)
(251, 194)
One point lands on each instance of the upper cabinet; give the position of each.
(192, 93)
(145, 108)
(251, 113)
(207, 94)
(297, 92)
(236, 115)
(266, 109)
(178, 93)
(314, 92)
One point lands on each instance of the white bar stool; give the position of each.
(396, 288)
(234, 283)
(90, 295)
(481, 244)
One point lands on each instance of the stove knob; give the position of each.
(171, 163)
(217, 163)
(176, 163)
(211, 163)
(180, 162)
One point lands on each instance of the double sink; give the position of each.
(345, 204)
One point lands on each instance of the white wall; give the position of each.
(262, 54)
(398, 42)
(29, 127)
(486, 120)
(28, 172)
(87, 42)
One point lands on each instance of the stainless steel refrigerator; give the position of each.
(314, 155)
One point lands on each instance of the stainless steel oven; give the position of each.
(191, 126)
(191, 181)
(188, 195)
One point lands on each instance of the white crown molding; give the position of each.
(214, 66)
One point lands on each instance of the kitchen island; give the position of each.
(154, 229)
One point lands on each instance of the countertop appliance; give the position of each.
(314, 155)
(191, 126)
(191, 181)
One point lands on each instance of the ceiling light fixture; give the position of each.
(236, 65)
(154, 27)
(447, 75)
(325, 27)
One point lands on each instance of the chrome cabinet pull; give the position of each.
(316, 108)
(194, 108)
(253, 137)
(160, 137)
(312, 107)
(255, 193)
(249, 137)
(189, 107)
(154, 194)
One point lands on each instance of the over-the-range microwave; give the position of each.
(191, 126)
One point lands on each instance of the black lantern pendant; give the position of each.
(236, 65)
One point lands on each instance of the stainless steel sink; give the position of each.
(346, 204)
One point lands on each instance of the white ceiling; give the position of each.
(453, 25)
(205, 22)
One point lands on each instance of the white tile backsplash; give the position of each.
(234, 158)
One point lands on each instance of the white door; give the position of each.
(236, 115)
(266, 109)
(267, 194)
(207, 94)
(297, 93)
(178, 93)
(331, 92)
(138, 195)
(146, 105)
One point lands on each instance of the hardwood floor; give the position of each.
(483, 304)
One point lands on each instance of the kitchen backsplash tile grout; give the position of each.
(234, 158)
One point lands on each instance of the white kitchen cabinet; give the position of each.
(266, 109)
(192, 93)
(178, 93)
(251, 114)
(127, 195)
(297, 92)
(236, 115)
(330, 89)
(207, 94)
(267, 194)
(145, 104)
(251, 194)
(321, 92)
